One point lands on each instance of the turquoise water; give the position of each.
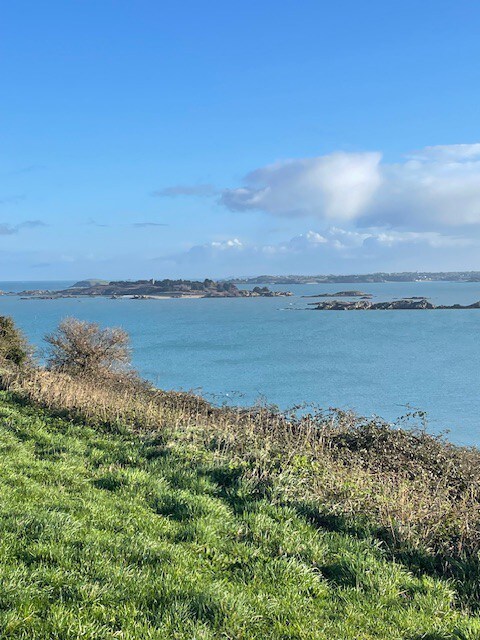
(238, 350)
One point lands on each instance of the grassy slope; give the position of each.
(114, 536)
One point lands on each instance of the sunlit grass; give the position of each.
(116, 535)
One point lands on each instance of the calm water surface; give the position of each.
(238, 350)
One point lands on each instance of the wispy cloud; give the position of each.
(202, 190)
(138, 225)
(94, 223)
(142, 225)
(11, 199)
(29, 168)
(31, 224)
(7, 229)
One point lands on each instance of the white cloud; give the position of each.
(434, 239)
(306, 241)
(437, 187)
(333, 246)
(449, 152)
(333, 250)
(334, 187)
(224, 245)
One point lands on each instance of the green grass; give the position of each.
(114, 535)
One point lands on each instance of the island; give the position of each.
(342, 294)
(392, 305)
(155, 289)
(405, 276)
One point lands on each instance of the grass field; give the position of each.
(106, 534)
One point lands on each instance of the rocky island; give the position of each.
(155, 289)
(404, 304)
(342, 294)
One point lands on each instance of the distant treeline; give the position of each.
(161, 285)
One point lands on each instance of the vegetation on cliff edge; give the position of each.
(128, 512)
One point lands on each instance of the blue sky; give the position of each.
(214, 138)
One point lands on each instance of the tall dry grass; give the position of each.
(417, 491)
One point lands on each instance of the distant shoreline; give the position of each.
(367, 278)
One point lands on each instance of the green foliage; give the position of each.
(13, 346)
(107, 536)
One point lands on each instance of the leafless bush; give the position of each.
(82, 348)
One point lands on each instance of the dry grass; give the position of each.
(416, 491)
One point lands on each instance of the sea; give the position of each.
(240, 351)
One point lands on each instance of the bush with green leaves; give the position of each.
(13, 346)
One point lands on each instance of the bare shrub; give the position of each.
(13, 346)
(82, 348)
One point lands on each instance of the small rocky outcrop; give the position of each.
(407, 304)
(342, 294)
